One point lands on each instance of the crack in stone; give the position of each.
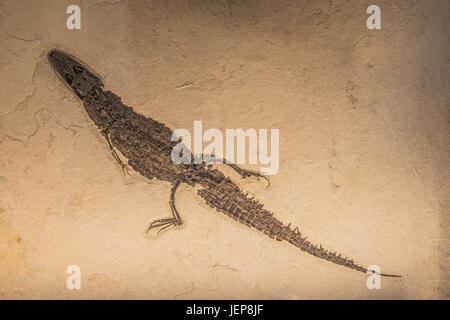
(332, 168)
(225, 267)
(184, 292)
(10, 35)
(25, 141)
(28, 96)
(193, 288)
(24, 100)
(20, 39)
(105, 2)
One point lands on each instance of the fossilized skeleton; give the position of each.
(147, 145)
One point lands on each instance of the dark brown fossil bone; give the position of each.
(147, 145)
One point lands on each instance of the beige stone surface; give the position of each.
(364, 148)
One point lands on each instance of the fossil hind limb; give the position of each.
(244, 173)
(175, 220)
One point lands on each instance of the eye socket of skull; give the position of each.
(78, 69)
(68, 78)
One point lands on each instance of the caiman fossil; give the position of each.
(147, 145)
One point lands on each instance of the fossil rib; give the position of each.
(147, 145)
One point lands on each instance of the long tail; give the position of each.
(225, 196)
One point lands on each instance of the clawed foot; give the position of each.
(249, 173)
(167, 222)
(242, 172)
(163, 223)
